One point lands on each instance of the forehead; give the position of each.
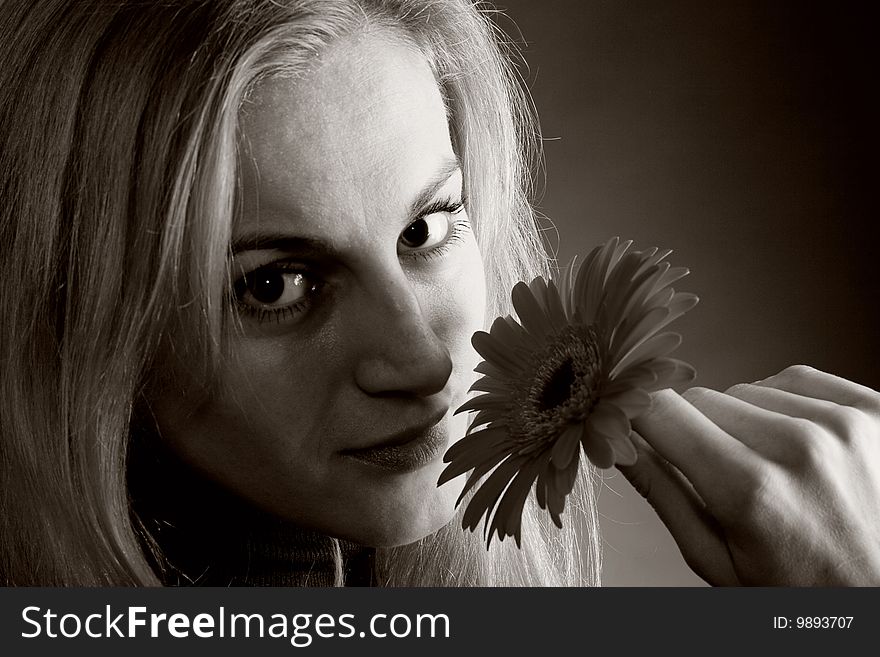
(368, 119)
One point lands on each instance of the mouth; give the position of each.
(407, 450)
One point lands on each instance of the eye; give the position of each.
(269, 287)
(426, 232)
(273, 289)
(431, 229)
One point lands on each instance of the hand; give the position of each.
(771, 483)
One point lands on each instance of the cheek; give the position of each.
(257, 411)
(472, 292)
(466, 293)
(462, 313)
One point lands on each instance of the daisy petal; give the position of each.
(530, 312)
(628, 291)
(486, 440)
(525, 340)
(495, 352)
(490, 416)
(555, 503)
(507, 333)
(643, 291)
(671, 372)
(609, 420)
(661, 297)
(631, 337)
(470, 458)
(566, 446)
(662, 254)
(658, 345)
(598, 448)
(555, 311)
(620, 279)
(486, 497)
(654, 255)
(624, 451)
(577, 298)
(642, 376)
(493, 385)
(487, 401)
(633, 401)
(541, 489)
(566, 287)
(669, 277)
(563, 479)
(508, 516)
(478, 473)
(682, 373)
(606, 261)
(648, 259)
(680, 303)
(619, 250)
(559, 484)
(538, 288)
(488, 369)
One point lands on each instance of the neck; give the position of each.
(202, 534)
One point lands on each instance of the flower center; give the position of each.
(564, 386)
(558, 388)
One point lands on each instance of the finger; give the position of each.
(782, 401)
(719, 466)
(810, 382)
(762, 429)
(844, 422)
(683, 512)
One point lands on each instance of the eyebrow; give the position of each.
(447, 169)
(309, 246)
(301, 246)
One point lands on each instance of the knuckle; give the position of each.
(812, 453)
(737, 389)
(800, 430)
(758, 494)
(851, 425)
(802, 445)
(872, 404)
(796, 371)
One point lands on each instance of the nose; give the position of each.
(401, 354)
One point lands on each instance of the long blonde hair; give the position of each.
(118, 126)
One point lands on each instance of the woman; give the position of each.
(173, 331)
(257, 237)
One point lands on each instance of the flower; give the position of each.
(572, 373)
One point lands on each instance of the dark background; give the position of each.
(743, 136)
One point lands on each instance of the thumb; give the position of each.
(696, 532)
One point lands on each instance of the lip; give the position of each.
(407, 450)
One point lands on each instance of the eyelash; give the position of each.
(457, 230)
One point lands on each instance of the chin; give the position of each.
(402, 522)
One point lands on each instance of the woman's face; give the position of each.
(359, 284)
